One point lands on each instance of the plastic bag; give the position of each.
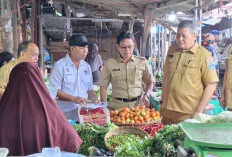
(48, 152)
(54, 152)
(4, 152)
(99, 152)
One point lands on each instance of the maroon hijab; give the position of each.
(29, 118)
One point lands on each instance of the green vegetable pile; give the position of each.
(167, 140)
(130, 145)
(109, 95)
(92, 135)
(46, 80)
(158, 78)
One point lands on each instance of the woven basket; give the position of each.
(123, 130)
(137, 124)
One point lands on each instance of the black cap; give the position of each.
(78, 40)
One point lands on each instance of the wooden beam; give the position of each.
(116, 7)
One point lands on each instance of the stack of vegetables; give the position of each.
(167, 140)
(151, 129)
(137, 114)
(92, 135)
(223, 117)
(130, 145)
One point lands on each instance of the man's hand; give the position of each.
(195, 114)
(95, 100)
(80, 100)
(145, 100)
(222, 101)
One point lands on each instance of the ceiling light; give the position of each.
(172, 17)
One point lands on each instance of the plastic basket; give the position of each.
(95, 119)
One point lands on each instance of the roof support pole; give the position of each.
(131, 24)
(147, 28)
(6, 25)
(41, 43)
(200, 20)
(14, 22)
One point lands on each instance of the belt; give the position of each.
(129, 100)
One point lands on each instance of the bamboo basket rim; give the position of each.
(123, 130)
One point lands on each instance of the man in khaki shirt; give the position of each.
(189, 78)
(226, 95)
(27, 52)
(126, 73)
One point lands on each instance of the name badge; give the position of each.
(116, 69)
(170, 56)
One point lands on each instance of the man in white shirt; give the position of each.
(72, 77)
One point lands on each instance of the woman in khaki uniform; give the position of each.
(226, 96)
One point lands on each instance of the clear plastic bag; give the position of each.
(54, 152)
(48, 152)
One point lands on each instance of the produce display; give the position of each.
(167, 140)
(223, 117)
(96, 116)
(109, 95)
(130, 144)
(151, 129)
(134, 115)
(92, 135)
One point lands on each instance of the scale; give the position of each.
(208, 140)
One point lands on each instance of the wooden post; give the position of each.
(131, 24)
(6, 25)
(23, 22)
(14, 22)
(147, 28)
(41, 44)
(34, 22)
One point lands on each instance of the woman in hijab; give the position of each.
(29, 118)
(95, 62)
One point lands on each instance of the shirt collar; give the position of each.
(119, 58)
(70, 62)
(193, 49)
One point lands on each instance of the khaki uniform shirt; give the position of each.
(229, 81)
(126, 78)
(5, 74)
(186, 74)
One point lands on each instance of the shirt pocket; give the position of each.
(69, 80)
(116, 77)
(137, 75)
(190, 67)
(86, 82)
(170, 64)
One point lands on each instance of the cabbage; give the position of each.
(191, 121)
(203, 118)
(224, 117)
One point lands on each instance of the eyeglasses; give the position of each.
(125, 47)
